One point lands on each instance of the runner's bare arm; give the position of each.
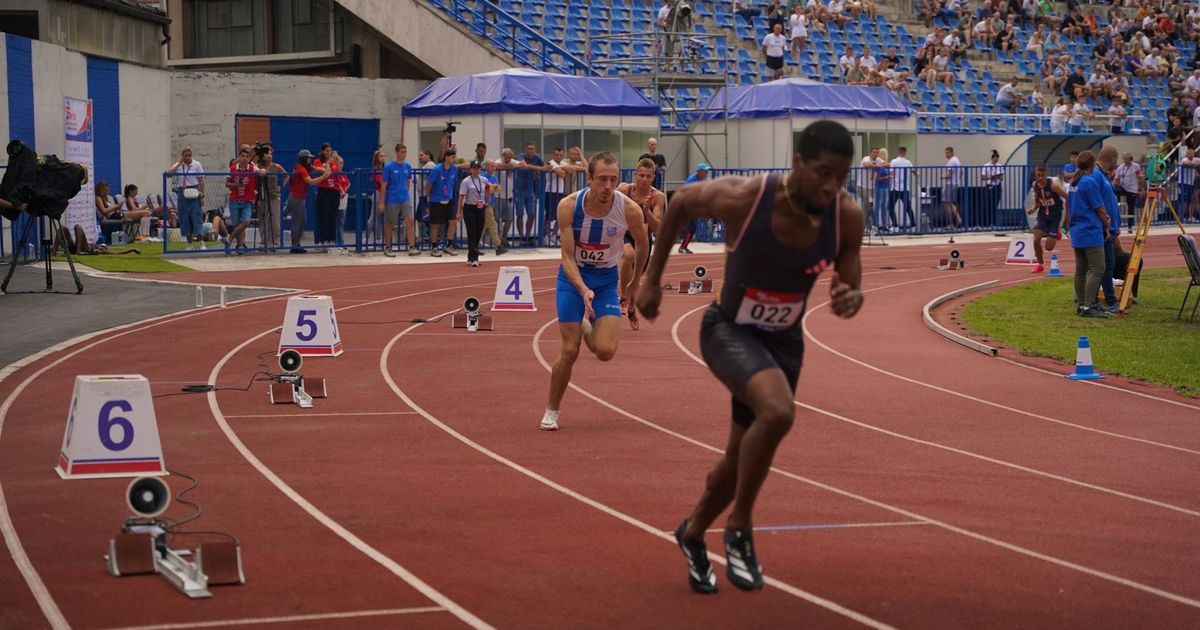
(566, 238)
(656, 210)
(845, 292)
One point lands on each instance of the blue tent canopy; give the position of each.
(779, 99)
(529, 91)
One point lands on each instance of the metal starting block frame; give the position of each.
(472, 321)
(295, 389)
(141, 549)
(696, 286)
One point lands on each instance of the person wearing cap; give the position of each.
(472, 197)
(298, 185)
(439, 185)
(702, 172)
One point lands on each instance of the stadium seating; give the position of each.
(584, 31)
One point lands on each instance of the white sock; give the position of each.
(551, 413)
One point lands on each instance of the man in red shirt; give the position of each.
(243, 192)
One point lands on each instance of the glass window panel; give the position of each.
(633, 144)
(241, 13)
(563, 139)
(597, 140)
(218, 13)
(429, 142)
(516, 137)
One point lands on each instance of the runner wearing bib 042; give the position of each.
(599, 244)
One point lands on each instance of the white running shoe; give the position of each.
(549, 421)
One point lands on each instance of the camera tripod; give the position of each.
(873, 229)
(55, 228)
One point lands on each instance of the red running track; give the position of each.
(923, 484)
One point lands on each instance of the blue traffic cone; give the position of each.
(1083, 363)
(1055, 272)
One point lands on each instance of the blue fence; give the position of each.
(917, 200)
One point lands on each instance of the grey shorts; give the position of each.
(503, 208)
(393, 212)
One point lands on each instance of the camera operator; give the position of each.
(189, 190)
(268, 194)
(243, 192)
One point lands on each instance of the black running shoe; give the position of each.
(742, 565)
(700, 574)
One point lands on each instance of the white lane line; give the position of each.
(1104, 385)
(1109, 386)
(309, 415)
(332, 525)
(252, 621)
(982, 401)
(896, 509)
(787, 588)
(33, 580)
(815, 526)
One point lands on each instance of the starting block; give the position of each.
(699, 284)
(471, 318)
(952, 263)
(295, 389)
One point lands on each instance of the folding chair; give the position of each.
(1191, 255)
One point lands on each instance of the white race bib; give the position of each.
(771, 310)
(591, 254)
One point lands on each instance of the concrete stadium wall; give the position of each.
(429, 35)
(204, 105)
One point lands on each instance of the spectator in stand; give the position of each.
(652, 154)
(395, 201)
(894, 81)
(951, 182)
(108, 210)
(952, 43)
(190, 191)
(817, 12)
(556, 189)
(1037, 100)
(858, 7)
(1089, 230)
(1118, 87)
(846, 62)
(1006, 37)
(982, 33)
(798, 24)
(1075, 87)
(867, 61)
(136, 211)
(1059, 115)
(746, 11)
(1009, 97)
(1117, 117)
(992, 175)
(1080, 115)
(243, 192)
(440, 186)
(578, 180)
(899, 191)
(1054, 49)
(1128, 183)
(1189, 210)
(893, 58)
(1037, 43)
(777, 13)
(837, 12)
(773, 45)
(923, 68)
(941, 64)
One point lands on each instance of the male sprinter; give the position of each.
(652, 202)
(591, 228)
(1049, 197)
(782, 232)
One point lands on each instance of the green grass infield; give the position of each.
(1148, 343)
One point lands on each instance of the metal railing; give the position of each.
(508, 33)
